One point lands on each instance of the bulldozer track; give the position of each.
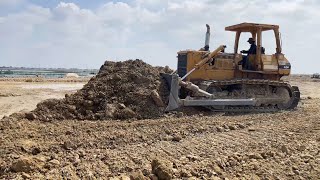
(293, 90)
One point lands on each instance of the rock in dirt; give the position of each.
(153, 177)
(121, 90)
(301, 148)
(255, 156)
(242, 126)
(125, 113)
(193, 157)
(121, 177)
(25, 175)
(217, 169)
(220, 129)
(68, 145)
(35, 151)
(137, 176)
(3, 165)
(162, 169)
(31, 116)
(232, 127)
(69, 172)
(285, 149)
(110, 110)
(185, 173)
(179, 114)
(26, 164)
(156, 98)
(176, 138)
(52, 164)
(306, 156)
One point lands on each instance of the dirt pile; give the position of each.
(121, 90)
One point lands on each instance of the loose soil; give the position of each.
(282, 145)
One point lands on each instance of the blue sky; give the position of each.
(83, 34)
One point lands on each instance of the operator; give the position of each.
(252, 50)
(253, 47)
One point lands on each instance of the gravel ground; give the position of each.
(282, 145)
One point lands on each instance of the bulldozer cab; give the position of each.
(258, 61)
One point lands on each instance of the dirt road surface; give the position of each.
(282, 145)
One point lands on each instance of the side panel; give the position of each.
(221, 68)
(284, 65)
(269, 63)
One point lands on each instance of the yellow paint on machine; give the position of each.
(218, 69)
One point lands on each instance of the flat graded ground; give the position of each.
(17, 95)
(282, 145)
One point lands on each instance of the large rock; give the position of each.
(157, 98)
(162, 169)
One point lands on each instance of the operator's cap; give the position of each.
(251, 40)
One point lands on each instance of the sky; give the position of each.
(83, 34)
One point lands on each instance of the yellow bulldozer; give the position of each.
(233, 82)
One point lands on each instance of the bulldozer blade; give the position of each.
(167, 78)
(173, 83)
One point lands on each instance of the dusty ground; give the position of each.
(283, 145)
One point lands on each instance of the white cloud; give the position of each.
(10, 2)
(70, 36)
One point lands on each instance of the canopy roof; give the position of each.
(249, 27)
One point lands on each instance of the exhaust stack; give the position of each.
(207, 40)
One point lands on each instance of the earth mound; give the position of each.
(121, 90)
